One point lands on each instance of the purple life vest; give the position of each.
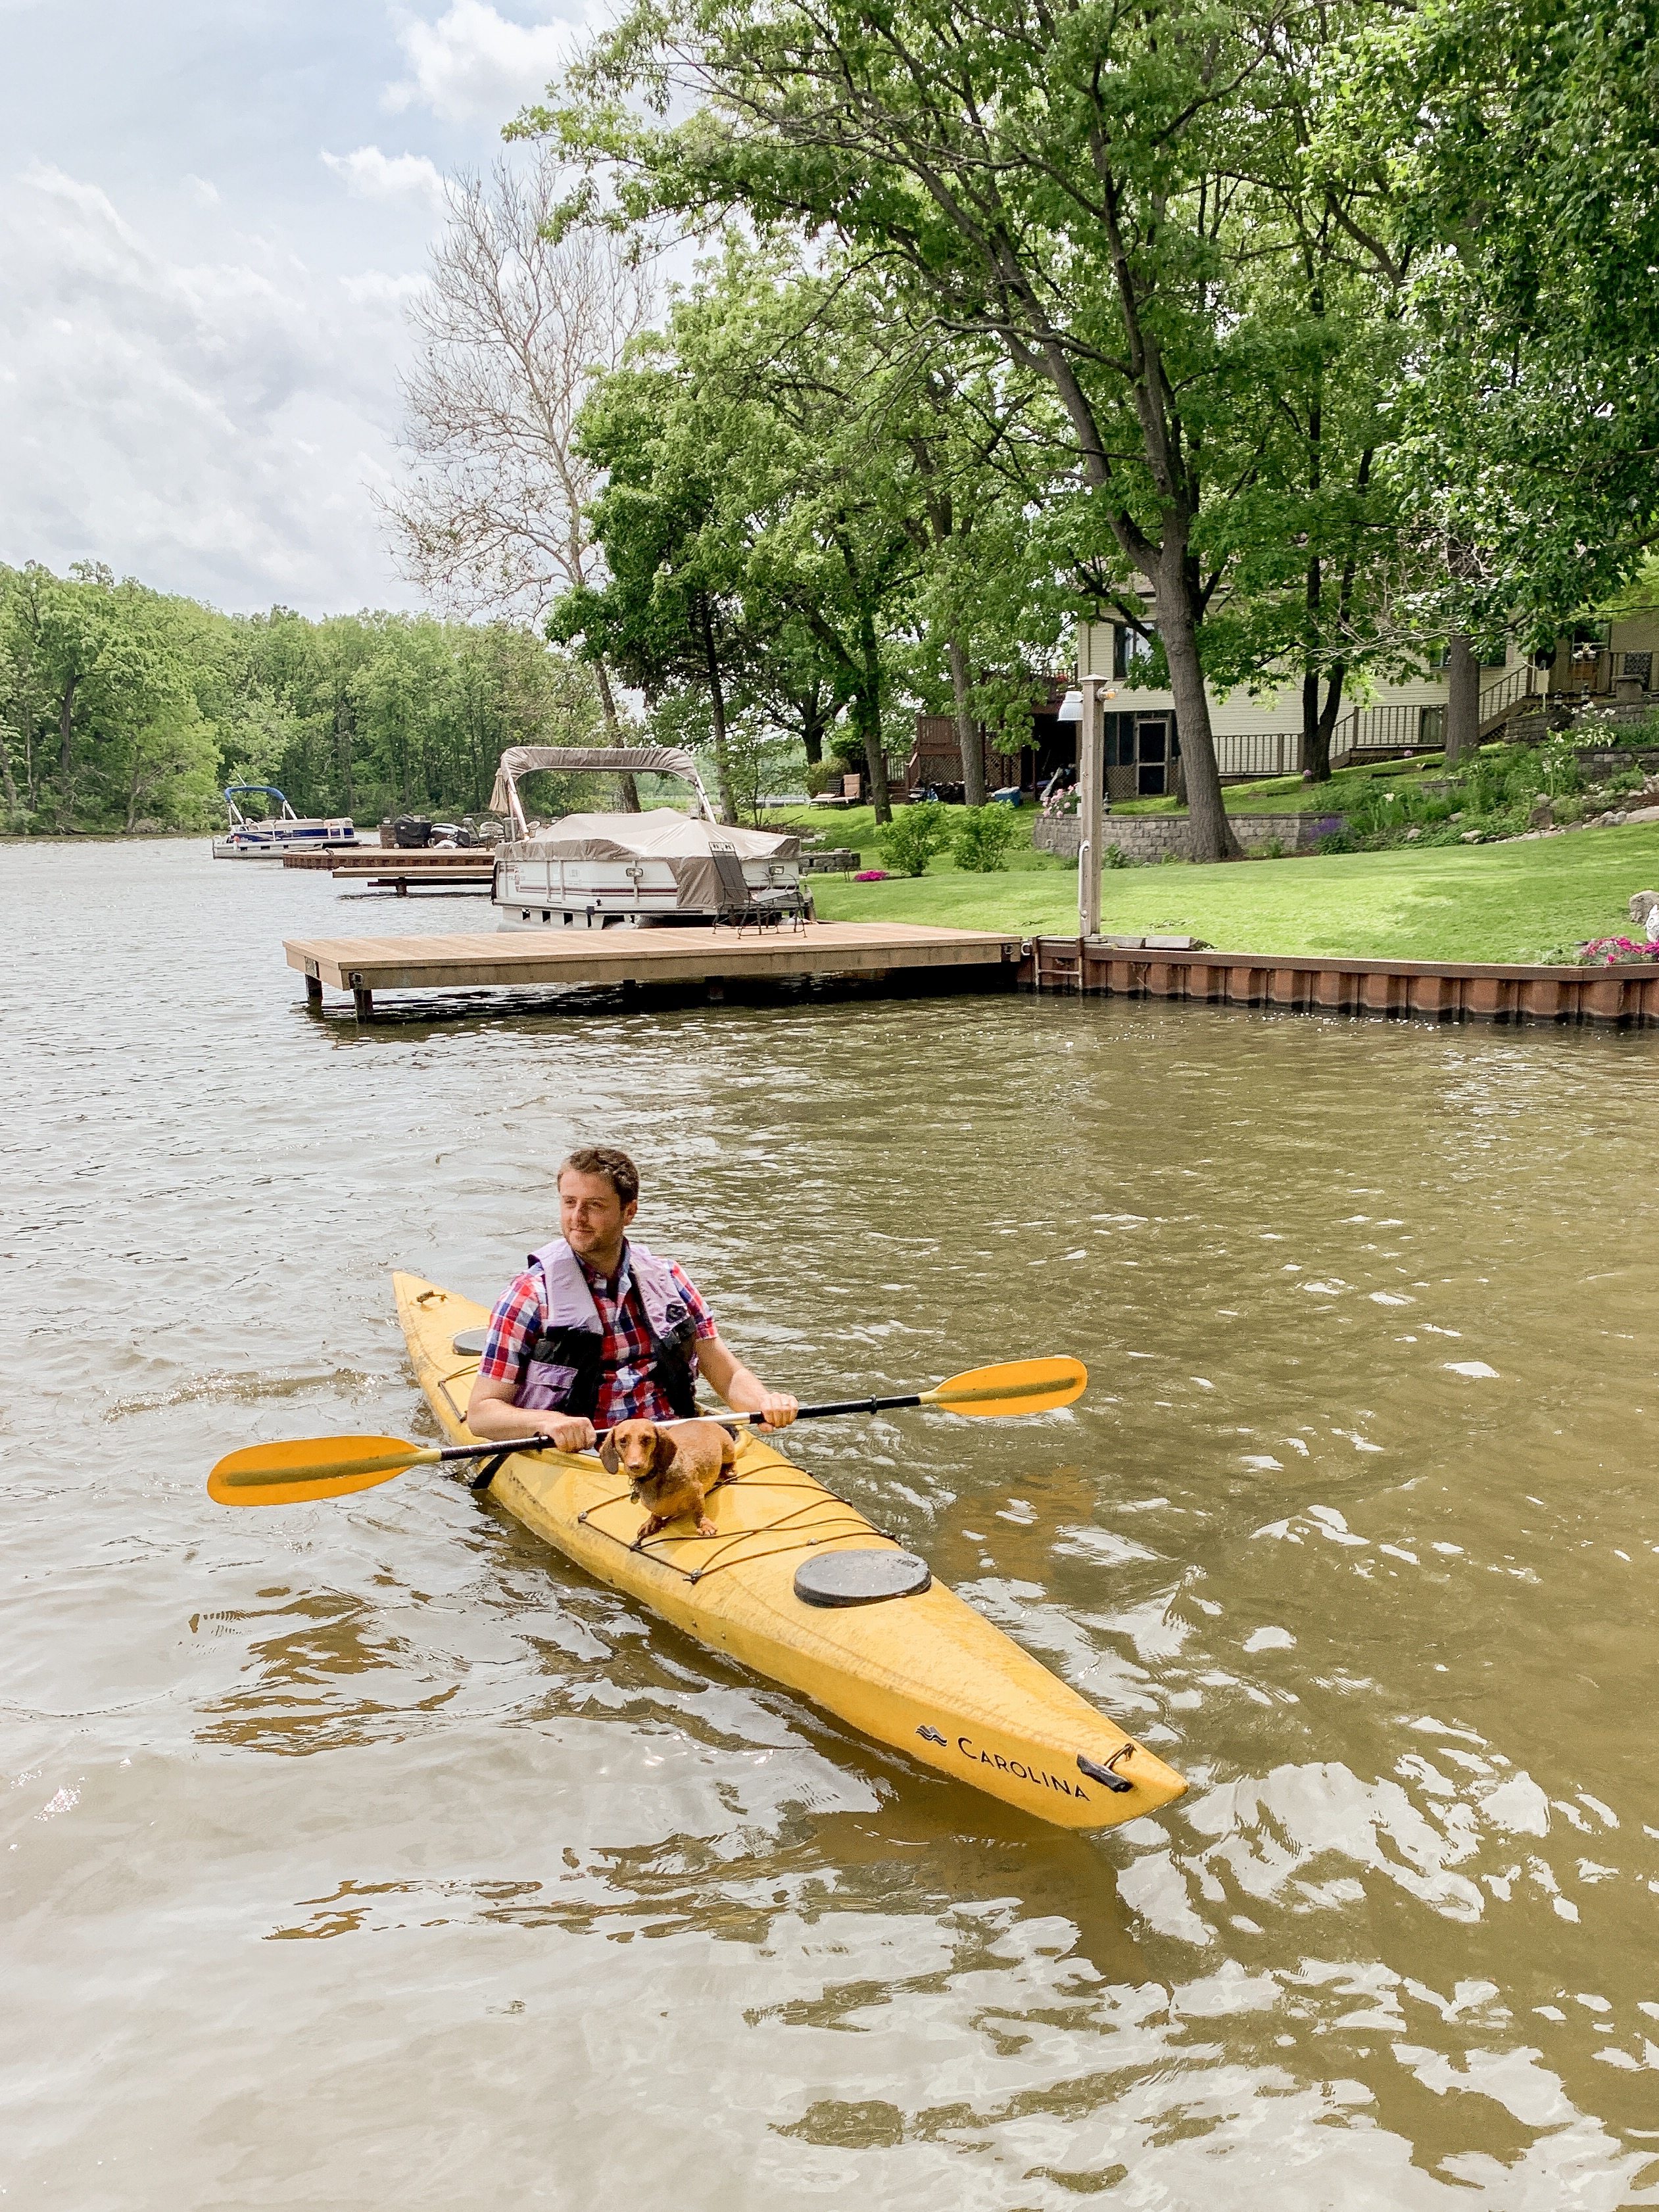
(566, 1361)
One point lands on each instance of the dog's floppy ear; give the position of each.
(609, 1457)
(666, 1452)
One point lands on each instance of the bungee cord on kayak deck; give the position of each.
(732, 1539)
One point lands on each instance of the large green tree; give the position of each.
(669, 615)
(756, 521)
(1523, 143)
(1073, 182)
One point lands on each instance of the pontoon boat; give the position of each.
(267, 837)
(661, 867)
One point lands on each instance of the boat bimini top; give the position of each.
(237, 816)
(621, 760)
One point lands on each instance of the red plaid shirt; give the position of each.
(626, 1389)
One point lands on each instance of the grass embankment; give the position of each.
(1516, 903)
(1288, 794)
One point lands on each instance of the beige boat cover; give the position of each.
(693, 848)
(640, 760)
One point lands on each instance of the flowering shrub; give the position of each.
(1618, 951)
(871, 876)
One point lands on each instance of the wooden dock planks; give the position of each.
(509, 958)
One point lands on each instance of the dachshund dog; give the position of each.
(672, 1471)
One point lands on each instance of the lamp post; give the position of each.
(1091, 780)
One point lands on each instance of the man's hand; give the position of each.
(491, 1414)
(569, 1434)
(743, 1392)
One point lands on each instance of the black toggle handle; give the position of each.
(1096, 1772)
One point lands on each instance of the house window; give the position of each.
(1431, 725)
(1127, 648)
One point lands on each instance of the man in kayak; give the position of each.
(598, 1330)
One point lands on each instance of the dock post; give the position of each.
(1091, 783)
(363, 1003)
(313, 991)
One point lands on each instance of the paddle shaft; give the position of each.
(727, 1420)
(739, 1420)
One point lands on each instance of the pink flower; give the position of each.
(871, 876)
(1619, 951)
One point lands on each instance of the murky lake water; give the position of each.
(368, 1855)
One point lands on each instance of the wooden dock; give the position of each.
(513, 959)
(1331, 983)
(365, 859)
(466, 871)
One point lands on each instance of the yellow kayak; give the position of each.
(924, 1672)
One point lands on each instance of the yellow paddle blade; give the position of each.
(316, 1466)
(1018, 1386)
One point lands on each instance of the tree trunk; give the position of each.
(866, 710)
(1319, 722)
(969, 737)
(1316, 759)
(1210, 833)
(66, 757)
(813, 721)
(1462, 698)
(342, 745)
(13, 810)
(613, 731)
(717, 712)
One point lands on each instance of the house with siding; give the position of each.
(1260, 735)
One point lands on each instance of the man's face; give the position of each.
(593, 1220)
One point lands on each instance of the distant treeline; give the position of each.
(122, 709)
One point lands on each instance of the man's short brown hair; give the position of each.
(605, 1160)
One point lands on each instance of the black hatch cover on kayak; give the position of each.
(469, 1344)
(861, 1577)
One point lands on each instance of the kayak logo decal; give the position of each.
(931, 1735)
(1039, 1775)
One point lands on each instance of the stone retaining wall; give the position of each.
(1148, 838)
(1607, 760)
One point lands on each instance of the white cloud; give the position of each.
(377, 176)
(473, 65)
(202, 191)
(207, 425)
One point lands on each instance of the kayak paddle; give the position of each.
(333, 1466)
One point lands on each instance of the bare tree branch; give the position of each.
(513, 329)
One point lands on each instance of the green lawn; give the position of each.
(1514, 901)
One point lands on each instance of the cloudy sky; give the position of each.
(211, 215)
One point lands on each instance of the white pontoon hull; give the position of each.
(269, 841)
(533, 893)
